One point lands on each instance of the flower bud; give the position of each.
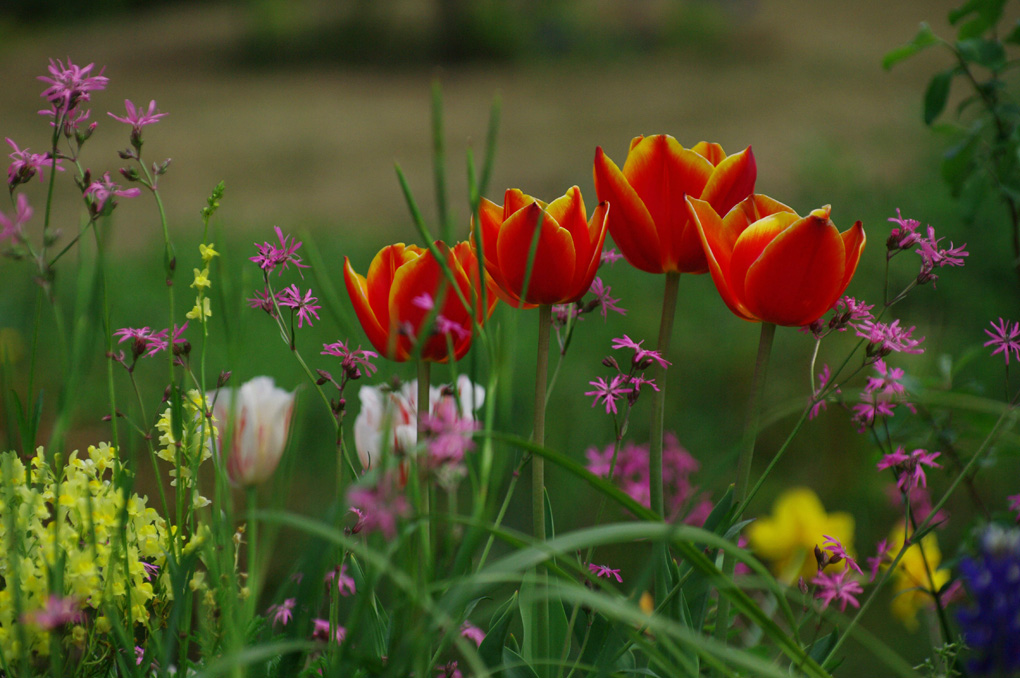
(260, 413)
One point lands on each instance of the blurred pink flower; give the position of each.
(10, 227)
(379, 506)
(320, 631)
(604, 571)
(909, 468)
(472, 632)
(101, 191)
(136, 117)
(257, 416)
(58, 612)
(25, 165)
(282, 613)
(1005, 338)
(344, 582)
(271, 257)
(837, 587)
(70, 85)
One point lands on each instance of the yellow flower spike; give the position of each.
(201, 279)
(201, 310)
(207, 253)
(788, 537)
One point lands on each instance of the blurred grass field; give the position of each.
(310, 146)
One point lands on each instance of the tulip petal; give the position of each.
(732, 181)
(630, 224)
(554, 260)
(711, 152)
(793, 280)
(853, 245)
(749, 246)
(662, 171)
(515, 200)
(491, 222)
(585, 272)
(717, 237)
(357, 288)
(568, 211)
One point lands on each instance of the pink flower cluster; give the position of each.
(631, 473)
(625, 383)
(909, 468)
(906, 235)
(880, 396)
(379, 506)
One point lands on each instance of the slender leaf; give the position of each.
(924, 39)
(491, 649)
(516, 666)
(937, 94)
(988, 53)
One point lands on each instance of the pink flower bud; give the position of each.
(257, 417)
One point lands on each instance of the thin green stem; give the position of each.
(669, 295)
(424, 375)
(538, 475)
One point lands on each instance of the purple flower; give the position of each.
(379, 507)
(837, 587)
(886, 338)
(136, 117)
(58, 612)
(344, 582)
(10, 227)
(1005, 339)
(881, 558)
(642, 357)
(145, 341)
(306, 306)
(101, 191)
(909, 468)
(264, 300)
(563, 313)
(602, 300)
(905, 235)
(25, 165)
(450, 433)
(609, 256)
(609, 392)
(271, 257)
(282, 613)
(151, 570)
(819, 403)
(888, 380)
(934, 256)
(870, 408)
(320, 631)
(69, 85)
(837, 553)
(353, 361)
(604, 571)
(472, 632)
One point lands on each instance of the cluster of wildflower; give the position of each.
(906, 235)
(909, 468)
(835, 584)
(388, 421)
(186, 454)
(629, 468)
(147, 343)
(25, 165)
(72, 518)
(847, 312)
(202, 309)
(379, 505)
(991, 622)
(354, 364)
(625, 383)
(11, 226)
(880, 396)
(277, 257)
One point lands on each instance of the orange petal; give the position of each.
(749, 247)
(717, 237)
(732, 181)
(421, 276)
(554, 261)
(585, 272)
(514, 200)
(568, 211)
(662, 171)
(630, 223)
(357, 288)
(853, 245)
(711, 152)
(793, 281)
(491, 222)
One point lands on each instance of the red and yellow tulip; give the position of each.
(385, 299)
(649, 220)
(567, 255)
(771, 265)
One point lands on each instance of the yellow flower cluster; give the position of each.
(195, 446)
(202, 309)
(71, 518)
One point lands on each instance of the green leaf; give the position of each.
(958, 164)
(924, 39)
(720, 512)
(557, 619)
(491, 649)
(822, 647)
(988, 14)
(988, 53)
(550, 527)
(936, 95)
(515, 665)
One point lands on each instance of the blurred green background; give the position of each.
(303, 107)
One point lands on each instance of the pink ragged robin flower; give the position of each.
(871, 408)
(344, 582)
(882, 557)
(838, 587)
(443, 326)
(379, 506)
(909, 468)
(933, 256)
(1005, 337)
(10, 227)
(886, 338)
(602, 300)
(100, 193)
(320, 631)
(609, 391)
(838, 553)
(643, 357)
(305, 306)
(57, 612)
(904, 235)
(609, 256)
(605, 571)
(352, 361)
(282, 613)
(144, 340)
(25, 165)
(264, 300)
(70, 85)
(818, 402)
(846, 313)
(450, 433)
(888, 380)
(138, 118)
(271, 257)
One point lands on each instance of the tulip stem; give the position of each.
(669, 295)
(538, 476)
(761, 364)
